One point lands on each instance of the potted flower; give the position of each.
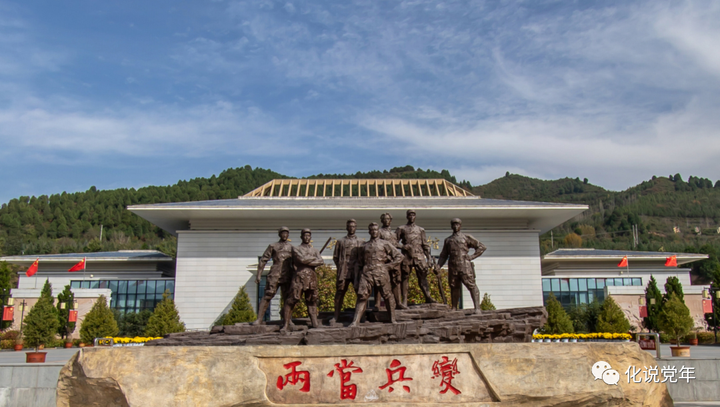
(694, 340)
(18, 342)
(675, 320)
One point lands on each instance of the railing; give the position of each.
(644, 344)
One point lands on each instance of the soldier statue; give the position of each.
(460, 266)
(345, 256)
(376, 258)
(304, 282)
(386, 233)
(416, 250)
(280, 274)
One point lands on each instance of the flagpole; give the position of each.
(84, 266)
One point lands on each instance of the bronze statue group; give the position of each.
(384, 263)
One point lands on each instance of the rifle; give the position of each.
(439, 281)
(326, 244)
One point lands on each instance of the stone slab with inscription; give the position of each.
(425, 323)
(468, 374)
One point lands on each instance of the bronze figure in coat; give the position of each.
(345, 256)
(461, 269)
(280, 274)
(304, 282)
(416, 252)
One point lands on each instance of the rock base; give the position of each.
(503, 375)
(426, 323)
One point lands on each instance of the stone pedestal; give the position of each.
(467, 374)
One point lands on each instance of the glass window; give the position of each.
(600, 282)
(555, 284)
(590, 283)
(141, 287)
(132, 287)
(582, 284)
(546, 284)
(564, 284)
(583, 298)
(150, 286)
(74, 284)
(113, 286)
(121, 301)
(170, 285)
(94, 284)
(573, 284)
(122, 287)
(618, 281)
(159, 287)
(591, 296)
(609, 282)
(637, 281)
(158, 297)
(85, 284)
(130, 302)
(103, 284)
(140, 300)
(627, 281)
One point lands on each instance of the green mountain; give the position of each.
(670, 214)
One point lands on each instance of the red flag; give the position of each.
(623, 262)
(707, 306)
(643, 311)
(33, 269)
(73, 316)
(79, 266)
(8, 313)
(671, 261)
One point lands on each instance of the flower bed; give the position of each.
(136, 341)
(592, 337)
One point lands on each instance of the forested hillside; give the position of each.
(670, 214)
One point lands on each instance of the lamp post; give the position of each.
(64, 305)
(713, 294)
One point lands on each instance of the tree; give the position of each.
(40, 324)
(673, 286)
(133, 324)
(241, 310)
(165, 319)
(99, 322)
(486, 304)
(675, 319)
(652, 292)
(584, 316)
(573, 240)
(68, 298)
(558, 321)
(612, 319)
(5, 287)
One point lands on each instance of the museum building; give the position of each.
(220, 241)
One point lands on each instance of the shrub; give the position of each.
(241, 310)
(652, 291)
(7, 344)
(584, 316)
(40, 324)
(486, 304)
(67, 297)
(165, 319)
(573, 240)
(612, 319)
(99, 322)
(675, 319)
(706, 337)
(558, 321)
(10, 335)
(133, 324)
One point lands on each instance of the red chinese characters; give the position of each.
(294, 377)
(447, 370)
(346, 370)
(400, 371)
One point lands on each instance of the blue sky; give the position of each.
(135, 93)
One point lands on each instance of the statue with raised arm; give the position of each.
(386, 233)
(416, 252)
(376, 258)
(461, 269)
(280, 274)
(304, 282)
(345, 256)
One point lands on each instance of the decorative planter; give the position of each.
(693, 342)
(564, 340)
(548, 340)
(68, 344)
(81, 345)
(41, 346)
(680, 351)
(18, 347)
(573, 340)
(35, 357)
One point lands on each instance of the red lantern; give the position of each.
(73, 316)
(8, 313)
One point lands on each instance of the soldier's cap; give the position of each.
(283, 229)
(373, 224)
(409, 211)
(386, 215)
(455, 220)
(306, 230)
(351, 221)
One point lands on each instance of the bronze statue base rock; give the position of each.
(419, 324)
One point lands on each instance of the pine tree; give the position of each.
(46, 290)
(41, 323)
(612, 318)
(68, 298)
(486, 304)
(558, 321)
(673, 286)
(133, 323)
(241, 310)
(652, 292)
(165, 320)
(99, 322)
(5, 287)
(675, 319)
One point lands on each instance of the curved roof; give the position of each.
(389, 188)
